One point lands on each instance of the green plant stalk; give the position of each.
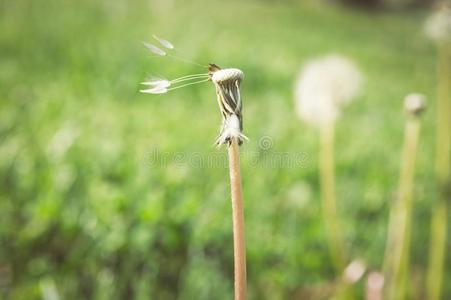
(437, 250)
(239, 244)
(396, 264)
(329, 206)
(440, 209)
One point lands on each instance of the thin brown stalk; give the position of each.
(239, 244)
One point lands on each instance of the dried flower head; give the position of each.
(415, 104)
(227, 83)
(324, 86)
(438, 25)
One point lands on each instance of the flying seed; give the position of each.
(158, 83)
(154, 49)
(165, 43)
(155, 90)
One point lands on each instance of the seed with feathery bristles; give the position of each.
(161, 86)
(157, 83)
(155, 90)
(154, 49)
(164, 42)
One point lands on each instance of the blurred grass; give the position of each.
(86, 209)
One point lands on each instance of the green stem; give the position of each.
(396, 264)
(327, 182)
(437, 251)
(440, 210)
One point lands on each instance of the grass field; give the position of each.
(107, 193)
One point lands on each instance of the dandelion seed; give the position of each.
(154, 49)
(158, 83)
(155, 90)
(164, 42)
(324, 86)
(161, 86)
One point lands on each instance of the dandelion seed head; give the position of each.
(324, 86)
(415, 104)
(227, 84)
(438, 25)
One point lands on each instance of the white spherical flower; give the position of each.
(438, 25)
(324, 86)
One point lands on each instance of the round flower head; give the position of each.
(438, 25)
(324, 86)
(414, 104)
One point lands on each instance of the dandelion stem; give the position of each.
(327, 182)
(440, 209)
(239, 245)
(437, 250)
(396, 264)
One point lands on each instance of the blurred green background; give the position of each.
(107, 193)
